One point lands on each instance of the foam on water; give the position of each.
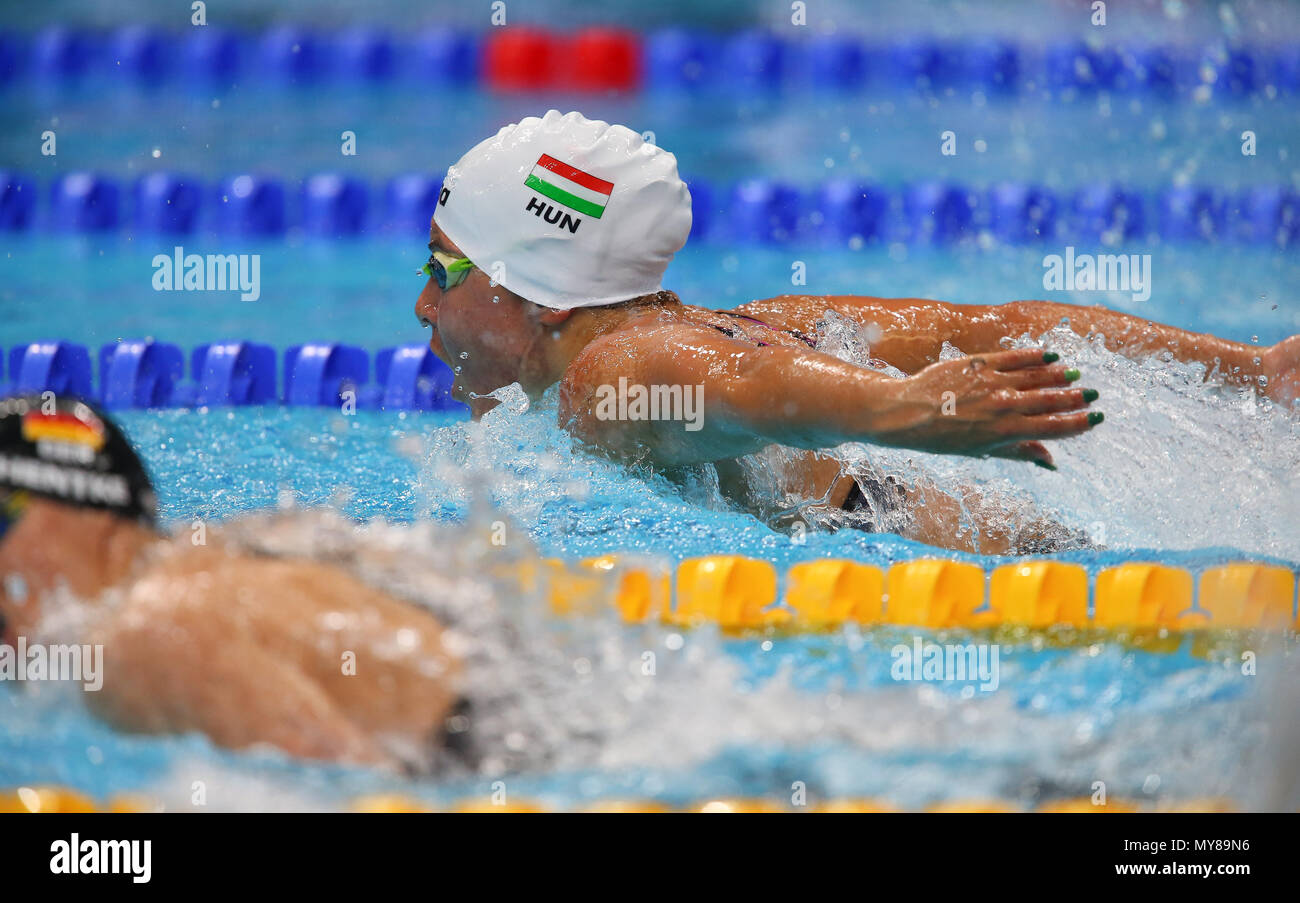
(1181, 462)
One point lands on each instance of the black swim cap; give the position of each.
(67, 450)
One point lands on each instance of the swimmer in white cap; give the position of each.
(548, 246)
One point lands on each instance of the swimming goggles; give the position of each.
(448, 270)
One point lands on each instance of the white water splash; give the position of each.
(1181, 462)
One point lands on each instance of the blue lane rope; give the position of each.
(836, 213)
(149, 374)
(667, 59)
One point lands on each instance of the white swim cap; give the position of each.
(566, 211)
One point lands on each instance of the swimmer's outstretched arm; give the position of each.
(1274, 370)
(913, 330)
(994, 404)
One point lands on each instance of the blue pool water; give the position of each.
(1183, 472)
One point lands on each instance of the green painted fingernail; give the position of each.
(1072, 374)
(1095, 417)
(1045, 465)
(1050, 357)
(1090, 395)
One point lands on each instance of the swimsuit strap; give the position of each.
(731, 333)
(810, 342)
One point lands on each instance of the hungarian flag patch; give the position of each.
(569, 186)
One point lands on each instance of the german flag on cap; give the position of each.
(66, 450)
(61, 426)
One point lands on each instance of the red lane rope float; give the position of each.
(521, 58)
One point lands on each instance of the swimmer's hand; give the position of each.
(996, 404)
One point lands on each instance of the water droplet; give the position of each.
(464, 356)
(16, 588)
(456, 370)
(1254, 338)
(496, 299)
(1263, 380)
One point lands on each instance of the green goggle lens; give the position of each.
(448, 270)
